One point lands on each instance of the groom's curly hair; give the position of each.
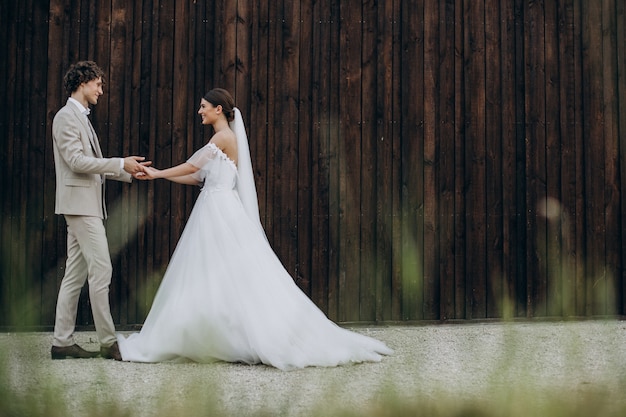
(81, 72)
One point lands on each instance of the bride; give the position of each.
(225, 295)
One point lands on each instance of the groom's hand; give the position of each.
(133, 164)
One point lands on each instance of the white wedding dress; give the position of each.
(226, 296)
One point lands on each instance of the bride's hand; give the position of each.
(147, 173)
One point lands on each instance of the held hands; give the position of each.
(147, 173)
(133, 164)
(140, 169)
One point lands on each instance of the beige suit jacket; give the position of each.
(80, 168)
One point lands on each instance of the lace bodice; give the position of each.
(217, 171)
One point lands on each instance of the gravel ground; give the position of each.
(462, 361)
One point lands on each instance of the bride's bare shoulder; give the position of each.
(224, 138)
(227, 142)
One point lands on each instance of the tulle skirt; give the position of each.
(226, 297)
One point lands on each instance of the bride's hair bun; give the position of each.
(221, 97)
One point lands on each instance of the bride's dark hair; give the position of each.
(221, 97)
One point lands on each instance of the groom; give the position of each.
(81, 171)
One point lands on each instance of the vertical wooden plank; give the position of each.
(19, 173)
(522, 211)
(621, 93)
(243, 51)
(334, 117)
(79, 31)
(304, 164)
(199, 42)
(288, 151)
(5, 303)
(445, 171)
(494, 173)
(460, 220)
(19, 266)
(150, 275)
(333, 152)
(396, 164)
(20, 154)
(511, 225)
(52, 257)
(367, 189)
(273, 212)
(227, 56)
(580, 116)
(327, 203)
(137, 214)
(7, 91)
(383, 180)
(349, 160)
(54, 236)
(285, 149)
(4, 140)
(129, 262)
(219, 22)
(321, 119)
(39, 179)
(610, 108)
(165, 145)
(197, 85)
(37, 133)
(554, 146)
(535, 157)
(29, 238)
(90, 44)
(432, 113)
(99, 47)
(578, 218)
(336, 149)
(475, 161)
(117, 202)
(412, 150)
(8, 165)
(174, 57)
(36, 50)
(258, 116)
(160, 117)
(594, 156)
(567, 109)
(8, 146)
(258, 125)
(181, 148)
(334, 139)
(209, 40)
(273, 97)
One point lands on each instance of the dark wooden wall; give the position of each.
(415, 160)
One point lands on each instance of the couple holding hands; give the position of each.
(225, 295)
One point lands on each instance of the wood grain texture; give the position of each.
(435, 160)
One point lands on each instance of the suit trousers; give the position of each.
(88, 259)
